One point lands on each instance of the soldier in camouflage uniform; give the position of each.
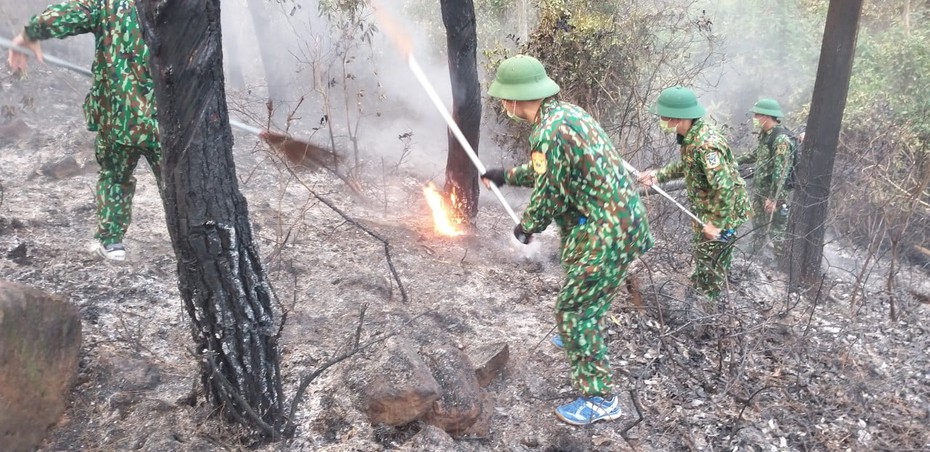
(578, 182)
(770, 193)
(715, 188)
(120, 106)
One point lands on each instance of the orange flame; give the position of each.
(393, 29)
(443, 220)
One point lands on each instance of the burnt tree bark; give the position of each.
(815, 168)
(462, 41)
(221, 279)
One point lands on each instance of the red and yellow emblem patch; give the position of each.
(539, 162)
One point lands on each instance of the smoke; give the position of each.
(532, 251)
(358, 93)
(768, 49)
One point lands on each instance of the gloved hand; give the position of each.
(495, 175)
(521, 235)
(726, 235)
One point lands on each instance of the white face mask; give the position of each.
(667, 127)
(511, 114)
(756, 123)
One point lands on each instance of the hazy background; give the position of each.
(320, 57)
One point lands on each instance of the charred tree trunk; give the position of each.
(221, 279)
(462, 41)
(815, 168)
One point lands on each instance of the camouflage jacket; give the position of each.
(121, 102)
(579, 182)
(772, 165)
(715, 188)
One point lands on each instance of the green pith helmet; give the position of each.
(522, 77)
(768, 107)
(678, 102)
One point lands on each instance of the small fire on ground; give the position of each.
(445, 221)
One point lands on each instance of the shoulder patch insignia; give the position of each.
(539, 162)
(712, 159)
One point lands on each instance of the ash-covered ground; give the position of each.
(765, 371)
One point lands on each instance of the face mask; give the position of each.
(756, 123)
(513, 116)
(666, 127)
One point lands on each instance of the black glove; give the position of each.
(495, 175)
(521, 235)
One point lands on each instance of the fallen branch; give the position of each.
(544, 338)
(387, 246)
(746, 402)
(914, 196)
(639, 413)
(345, 216)
(305, 381)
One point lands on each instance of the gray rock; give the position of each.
(481, 428)
(459, 404)
(490, 361)
(394, 388)
(62, 168)
(14, 131)
(431, 437)
(40, 341)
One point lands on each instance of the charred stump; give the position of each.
(462, 42)
(221, 279)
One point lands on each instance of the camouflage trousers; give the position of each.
(768, 226)
(712, 260)
(116, 186)
(585, 298)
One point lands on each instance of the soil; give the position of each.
(764, 371)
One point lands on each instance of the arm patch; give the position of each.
(539, 162)
(712, 159)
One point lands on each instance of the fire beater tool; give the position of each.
(725, 235)
(296, 151)
(421, 77)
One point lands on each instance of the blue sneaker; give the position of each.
(557, 341)
(588, 410)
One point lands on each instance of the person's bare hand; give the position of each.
(710, 231)
(648, 178)
(17, 60)
(769, 206)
